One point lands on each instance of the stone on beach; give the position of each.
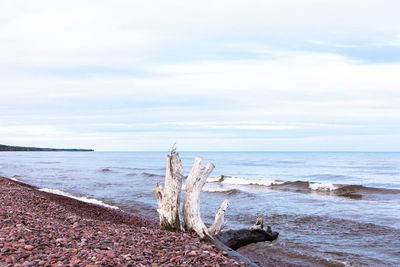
(39, 229)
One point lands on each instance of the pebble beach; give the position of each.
(42, 229)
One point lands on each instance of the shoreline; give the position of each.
(45, 229)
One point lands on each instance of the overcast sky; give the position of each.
(273, 75)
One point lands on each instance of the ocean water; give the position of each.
(331, 209)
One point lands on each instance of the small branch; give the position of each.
(259, 225)
(173, 149)
(158, 192)
(219, 222)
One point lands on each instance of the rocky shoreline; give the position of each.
(43, 229)
(24, 148)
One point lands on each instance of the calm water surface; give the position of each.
(331, 209)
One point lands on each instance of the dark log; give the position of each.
(242, 237)
(232, 254)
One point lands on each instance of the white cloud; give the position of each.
(245, 125)
(213, 73)
(395, 41)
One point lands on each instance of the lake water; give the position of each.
(331, 209)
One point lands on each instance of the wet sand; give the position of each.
(43, 229)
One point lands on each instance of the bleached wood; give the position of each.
(169, 198)
(219, 222)
(191, 204)
(158, 192)
(259, 225)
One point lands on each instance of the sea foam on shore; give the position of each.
(83, 199)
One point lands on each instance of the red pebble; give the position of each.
(192, 253)
(28, 247)
(111, 255)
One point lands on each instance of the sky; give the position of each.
(271, 75)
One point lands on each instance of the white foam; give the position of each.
(14, 179)
(249, 181)
(322, 186)
(215, 190)
(83, 199)
(214, 179)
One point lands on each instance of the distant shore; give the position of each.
(23, 148)
(43, 229)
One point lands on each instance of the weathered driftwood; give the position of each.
(169, 198)
(191, 204)
(170, 219)
(232, 253)
(219, 221)
(239, 238)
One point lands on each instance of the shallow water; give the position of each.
(331, 209)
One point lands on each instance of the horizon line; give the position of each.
(262, 151)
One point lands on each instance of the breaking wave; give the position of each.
(249, 181)
(322, 186)
(343, 190)
(228, 191)
(83, 199)
(215, 179)
(15, 178)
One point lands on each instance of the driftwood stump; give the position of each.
(168, 200)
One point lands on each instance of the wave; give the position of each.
(341, 190)
(228, 191)
(139, 169)
(290, 162)
(248, 181)
(324, 188)
(15, 178)
(215, 179)
(229, 185)
(83, 199)
(148, 174)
